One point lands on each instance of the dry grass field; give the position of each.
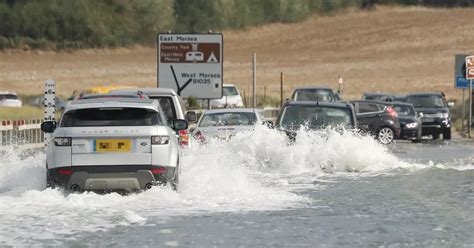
(391, 49)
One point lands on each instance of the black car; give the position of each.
(377, 119)
(410, 122)
(313, 116)
(317, 94)
(434, 110)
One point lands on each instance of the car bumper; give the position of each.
(409, 133)
(109, 178)
(429, 128)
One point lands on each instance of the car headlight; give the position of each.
(412, 125)
(62, 141)
(160, 140)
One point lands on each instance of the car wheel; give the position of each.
(49, 183)
(386, 135)
(435, 136)
(447, 134)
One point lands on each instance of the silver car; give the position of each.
(225, 123)
(113, 145)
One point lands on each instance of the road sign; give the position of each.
(191, 64)
(460, 80)
(470, 67)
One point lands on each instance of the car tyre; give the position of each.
(386, 135)
(447, 134)
(436, 136)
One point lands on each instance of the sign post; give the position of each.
(254, 79)
(470, 77)
(191, 64)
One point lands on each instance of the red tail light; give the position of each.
(65, 172)
(183, 137)
(160, 170)
(392, 112)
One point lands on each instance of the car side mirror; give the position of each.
(420, 114)
(48, 126)
(179, 125)
(191, 116)
(450, 104)
(191, 130)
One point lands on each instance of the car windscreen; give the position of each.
(315, 117)
(405, 110)
(93, 117)
(167, 106)
(228, 119)
(230, 91)
(8, 97)
(321, 95)
(426, 101)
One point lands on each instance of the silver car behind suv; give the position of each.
(112, 145)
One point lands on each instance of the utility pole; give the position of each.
(254, 93)
(281, 89)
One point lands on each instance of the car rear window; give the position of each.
(315, 117)
(228, 119)
(322, 95)
(168, 107)
(94, 117)
(230, 91)
(368, 107)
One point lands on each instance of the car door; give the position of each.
(368, 115)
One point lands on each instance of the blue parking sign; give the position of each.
(461, 82)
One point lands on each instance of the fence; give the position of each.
(24, 134)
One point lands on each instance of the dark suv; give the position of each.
(377, 119)
(313, 116)
(434, 110)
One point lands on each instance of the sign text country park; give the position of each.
(191, 64)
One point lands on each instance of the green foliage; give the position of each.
(63, 24)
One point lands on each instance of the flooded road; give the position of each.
(326, 190)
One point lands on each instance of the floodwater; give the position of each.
(326, 190)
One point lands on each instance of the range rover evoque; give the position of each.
(115, 144)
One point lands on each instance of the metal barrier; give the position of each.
(24, 134)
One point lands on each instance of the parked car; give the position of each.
(112, 145)
(436, 118)
(314, 115)
(172, 105)
(378, 119)
(231, 98)
(381, 97)
(39, 102)
(226, 123)
(410, 122)
(317, 94)
(9, 99)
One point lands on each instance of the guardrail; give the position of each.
(24, 134)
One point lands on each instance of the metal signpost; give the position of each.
(460, 81)
(191, 64)
(470, 77)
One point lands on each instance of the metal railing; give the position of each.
(24, 134)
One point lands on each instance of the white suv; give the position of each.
(113, 144)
